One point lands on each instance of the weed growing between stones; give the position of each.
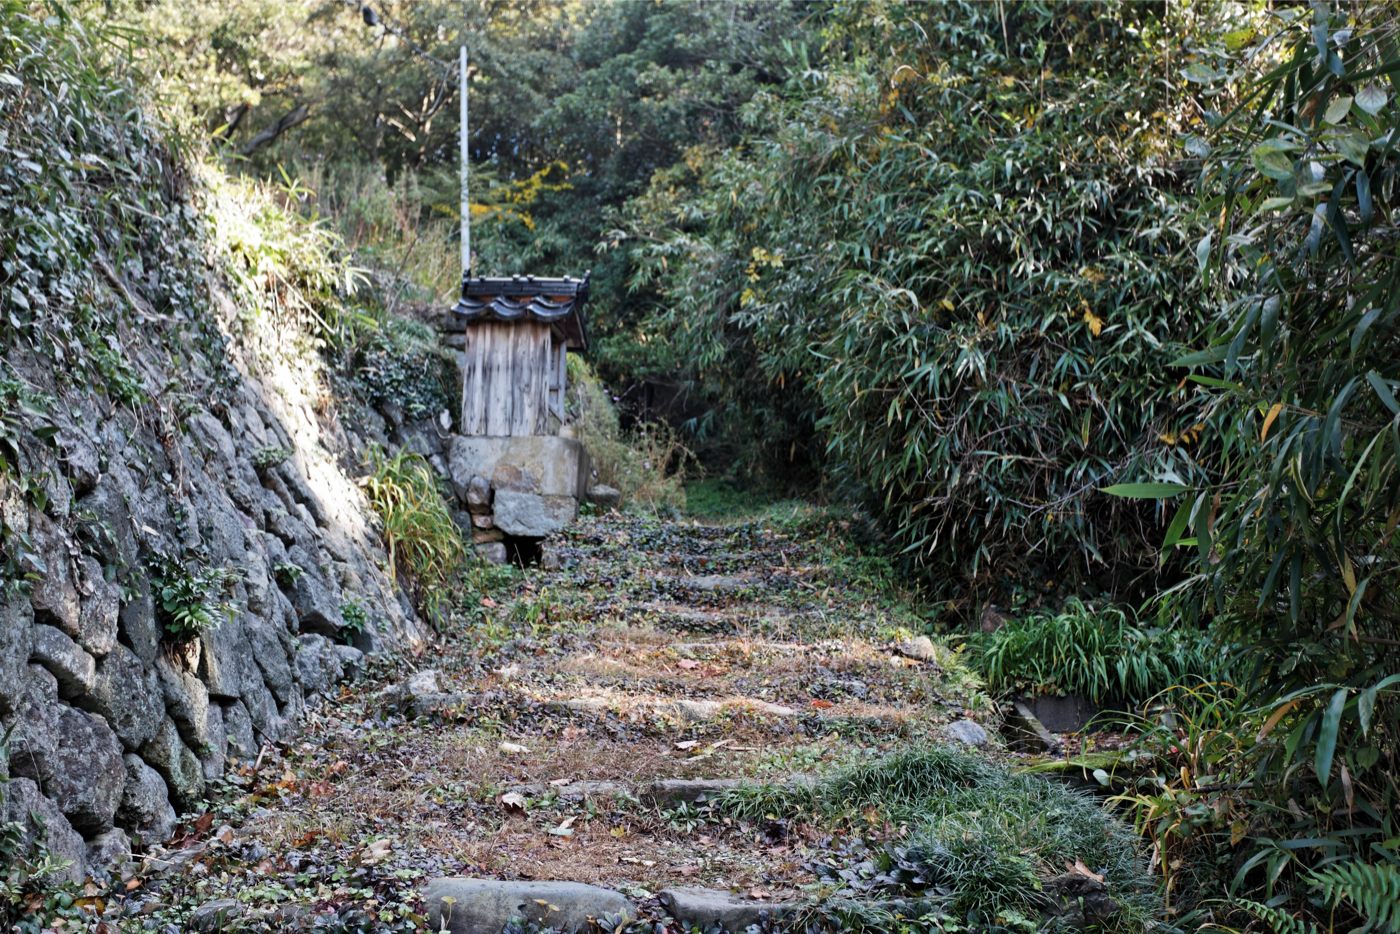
(189, 596)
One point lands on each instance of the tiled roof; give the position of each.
(558, 302)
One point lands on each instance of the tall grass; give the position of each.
(423, 541)
(1093, 651)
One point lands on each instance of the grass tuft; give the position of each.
(981, 840)
(421, 537)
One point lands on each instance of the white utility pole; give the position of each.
(466, 165)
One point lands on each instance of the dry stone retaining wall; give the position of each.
(115, 727)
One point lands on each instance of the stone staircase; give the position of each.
(678, 661)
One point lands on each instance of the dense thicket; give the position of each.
(949, 267)
(1293, 536)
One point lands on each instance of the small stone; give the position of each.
(483, 520)
(604, 497)
(967, 732)
(423, 682)
(110, 852)
(486, 536)
(493, 553)
(514, 749)
(478, 906)
(352, 661)
(920, 648)
(215, 916)
(550, 559)
(478, 494)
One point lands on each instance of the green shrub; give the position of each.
(1292, 534)
(423, 541)
(1092, 651)
(189, 596)
(949, 266)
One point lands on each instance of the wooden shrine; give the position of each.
(518, 331)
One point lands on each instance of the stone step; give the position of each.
(684, 710)
(661, 793)
(486, 906)
(462, 905)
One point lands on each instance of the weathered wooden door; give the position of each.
(507, 374)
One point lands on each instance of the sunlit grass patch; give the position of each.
(973, 837)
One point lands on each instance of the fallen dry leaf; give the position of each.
(513, 801)
(376, 852)
(1079, 869)
(513, 749)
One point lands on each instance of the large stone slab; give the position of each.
(532, 515)
(543, 464)
(708, 909)
(485, 906)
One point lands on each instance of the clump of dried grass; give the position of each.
(647, 464)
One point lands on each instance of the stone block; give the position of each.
(16, 642)
(543, 464)
(67, 661)
(145, 811)
(181, 768)
(475, 906)
(492, 553)
(128, 696)
(101, 603)
(83, 772)
(533, 515)
(41, 821)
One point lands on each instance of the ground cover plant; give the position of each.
(979, 842)
(1095, 652)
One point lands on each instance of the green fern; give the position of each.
(1278, 920)
(1373, 890)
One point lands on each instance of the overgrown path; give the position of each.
(577, 726)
